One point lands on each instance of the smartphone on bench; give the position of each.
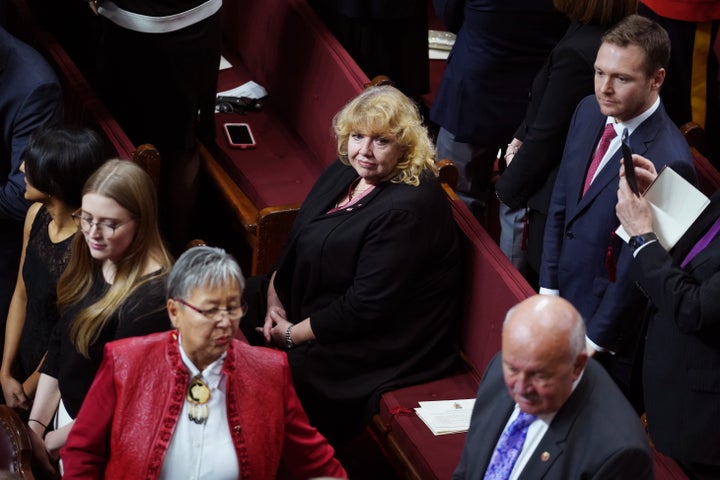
(239, 135)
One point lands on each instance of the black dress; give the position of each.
(142, 313)
(44, 263)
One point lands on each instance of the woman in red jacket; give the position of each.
(195, 401)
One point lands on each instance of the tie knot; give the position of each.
(524, 419)
(609, 133)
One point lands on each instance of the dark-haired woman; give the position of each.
(56, 164)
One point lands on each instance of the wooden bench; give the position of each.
(82, 105)
(283, 46)
(492, 286)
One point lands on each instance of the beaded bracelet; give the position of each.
(288, 338)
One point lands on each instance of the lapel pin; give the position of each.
(545, 456)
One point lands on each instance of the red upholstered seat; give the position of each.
(284, 47)
(492, 286)
(666, 468)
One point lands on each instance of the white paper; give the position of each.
(675, 204)
(446, 416)
(248, 89)
(224, 64)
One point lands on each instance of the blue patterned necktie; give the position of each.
(509, 447)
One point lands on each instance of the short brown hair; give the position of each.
(646, 34)
(605, 13)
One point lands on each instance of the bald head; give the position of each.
(543, 348)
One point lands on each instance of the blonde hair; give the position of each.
(131, 187)
(386, 111)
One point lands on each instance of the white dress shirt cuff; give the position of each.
(642, 246)
(549, 291)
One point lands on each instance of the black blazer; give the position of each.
(595, 434)
(681, 367)
(380, 281)
(565, 79)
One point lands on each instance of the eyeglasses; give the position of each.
(107, 229)
(215, 314)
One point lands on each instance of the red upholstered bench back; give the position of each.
(494, 285)
(305, 70)
(707, 175)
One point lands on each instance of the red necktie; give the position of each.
(607, 136)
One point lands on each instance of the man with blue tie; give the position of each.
(544, 410)
(583, 261)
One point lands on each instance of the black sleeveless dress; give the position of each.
(44, 263)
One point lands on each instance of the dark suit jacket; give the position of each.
(595, 434)
(30, 97)
(500, 47)
(380, 281)
(579, 231)
(681, 369)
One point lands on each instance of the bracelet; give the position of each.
(288, 338)
(38, 422)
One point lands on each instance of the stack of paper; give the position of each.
(446, 416)
(675, 205)
(440, 43)
(248, 89)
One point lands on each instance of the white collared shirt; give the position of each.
(203, 452)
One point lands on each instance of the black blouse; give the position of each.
(142, 313)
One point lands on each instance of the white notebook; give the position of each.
(675, 204)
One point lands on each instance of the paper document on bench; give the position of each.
(248, 89)
(446, 416)
(224, 63)
(675, 205)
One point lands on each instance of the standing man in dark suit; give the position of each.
(681, 378)
(500, 46)
(579, 423)
(533, 156)
(30, 96)
(583, 260)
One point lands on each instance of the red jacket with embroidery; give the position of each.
(128, 417)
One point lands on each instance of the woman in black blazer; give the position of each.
(366, 294)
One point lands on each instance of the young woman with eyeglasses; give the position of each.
(56, 163)
(113, 288)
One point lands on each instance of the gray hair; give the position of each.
(203, 267)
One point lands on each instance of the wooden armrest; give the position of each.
(379, 81)
(448, 172)
(148, 157)
(695, 136)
